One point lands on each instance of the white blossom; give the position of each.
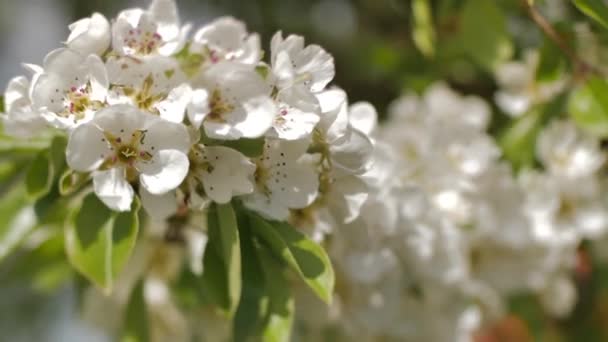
(226, 39)
(568, 152)
(155, 31)
(235, 104)
(20, 120)
(90, 35)
(122, 144)
(154, 84)
(293, 63)
(223, 172)
(71, 88)
(519, 88)
(297, 114)
(285, 179)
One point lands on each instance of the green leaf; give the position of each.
(39, 176)
(263, 70)
(552, 63)
(279, 320)
(594, 9)
(231, 251)
(99, 241)
(249, 147)
(484, 36)
(214, 285)
(71, 181)
(588, 106)
(17, 220)
(518, 140)
(423, 32)
(252, 310)
(45, 167)
(1, 104)
(136, 323)
(303, 255)
(223, 256)
(189, 62)
(44, 267)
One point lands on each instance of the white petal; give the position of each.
(275, 43)
(164, 172)
(352, 152)
(225, 33)
(514, 75)
(260, 115)
(164, 12)
(86, 148)
(113, 189)
(514, 104)
(175, 45)
(334, 113)
(252, 52)
(363, 116)
(167, 135)
(293, 124)
(230, 174)
(559, 297)
(198, 107)
(236, 81)
(27, 126)
(267, 206)
(227, 39)
(62, 60)
(122, 120)
(126, 21)
(33, 69)
(283, 71)
(16, 94)
(173, 108)
(90, 35)
(223, 130)
(348, 194)
(197, 242)
(98, 76)
(21, 120)
(44, 94)
(299, 189)
(317, 63)
(159, 207)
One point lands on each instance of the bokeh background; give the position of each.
(376, 60)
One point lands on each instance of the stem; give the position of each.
(580, 66)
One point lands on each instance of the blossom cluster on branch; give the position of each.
(251, 165)
(155, 112)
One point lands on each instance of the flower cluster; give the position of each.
(449, 232)
(181, 120)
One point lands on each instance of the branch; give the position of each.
(581, 67)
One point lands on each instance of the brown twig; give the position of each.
(581, 67)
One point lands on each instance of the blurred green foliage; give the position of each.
(382, 48)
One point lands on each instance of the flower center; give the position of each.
(218, 107)
(127, 152)
(144, 98)
(143, 41)
(262, 175)
(567, 209)
(77, 101)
